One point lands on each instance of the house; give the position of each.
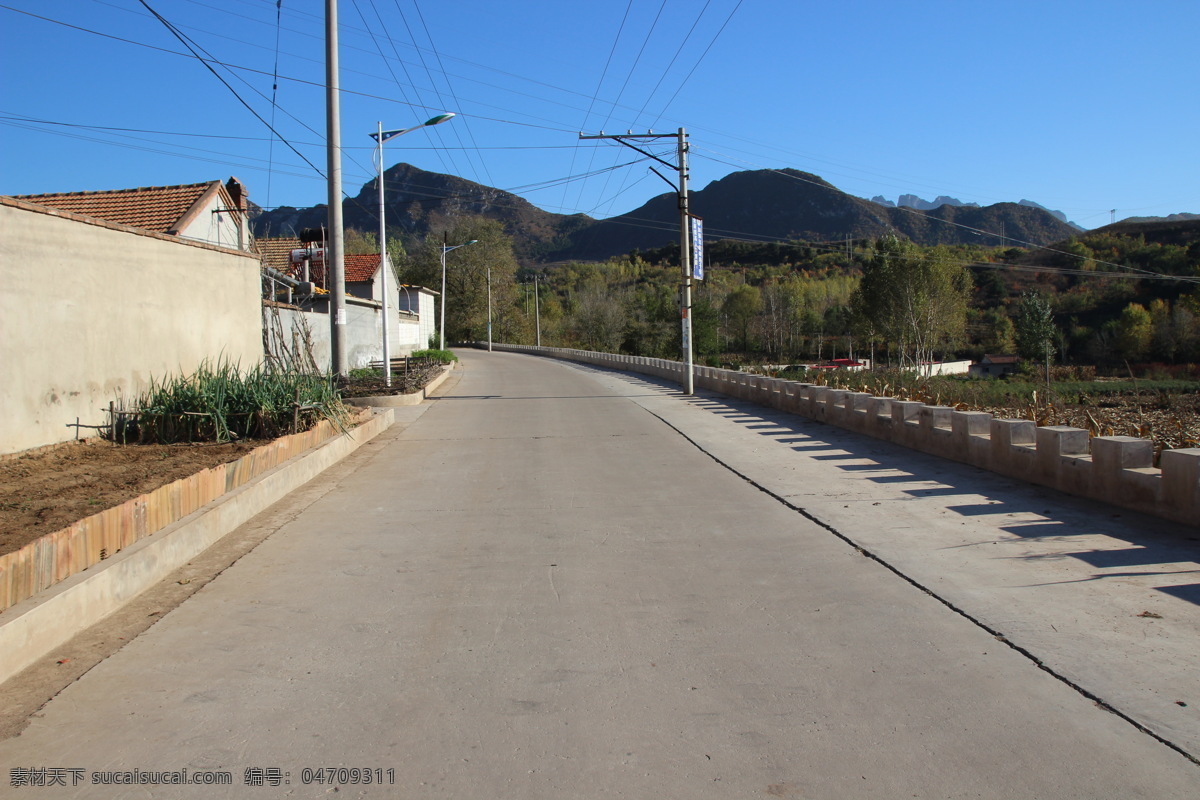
(994, 366)
(213, 212)
(848, 363)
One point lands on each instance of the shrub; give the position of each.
(444, 356)
(218, 403)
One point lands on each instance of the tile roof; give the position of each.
(153, 208)
(362, 267)
(276, 253)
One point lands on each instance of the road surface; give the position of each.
(556, 582)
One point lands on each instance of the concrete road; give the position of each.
(563, 583)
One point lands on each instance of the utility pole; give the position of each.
(335, 261)
(383, 268)
(537, 310)
(685, 239)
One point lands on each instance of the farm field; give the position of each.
(1166, 412)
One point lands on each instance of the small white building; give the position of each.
(422, 302)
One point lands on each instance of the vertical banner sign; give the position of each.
(697, 248)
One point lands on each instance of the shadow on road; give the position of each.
(1042, 513)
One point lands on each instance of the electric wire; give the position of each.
(183, 39)
(453, 95)
(274, 91)
(700, 60)
(592, 103)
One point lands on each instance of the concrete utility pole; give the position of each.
(335, 260)
(537, 310)
(685, 239)
(383, 266)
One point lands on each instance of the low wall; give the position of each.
(1114, 469)
(91, 311)
(364, 336)
(57, 556)
(37, 625)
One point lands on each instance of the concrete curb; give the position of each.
(34, 627)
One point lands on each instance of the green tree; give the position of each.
(467, 278)
(599, 320)
(740, 307)
(914, 298)
(1134, 329)
(1035, 332)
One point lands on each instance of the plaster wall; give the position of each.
(364, 335)
(217, 224)
(91, 310)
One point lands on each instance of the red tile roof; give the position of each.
(154, 208)
(361, 268)
(276, 253)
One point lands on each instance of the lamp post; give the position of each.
(446, 248)
(381, 136)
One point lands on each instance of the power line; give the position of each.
(186, 43)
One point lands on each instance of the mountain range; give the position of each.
(758, 205)
(912, 201)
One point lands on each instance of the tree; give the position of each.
(467, 277)
(599, 320)
(740, 307)
(1035, 330)
(914, 298)
(1134, 329)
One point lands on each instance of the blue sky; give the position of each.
(1080, 106)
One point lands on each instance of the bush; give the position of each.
(444, 356)
(219, 404)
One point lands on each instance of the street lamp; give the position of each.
(381, 136)
(446, 248)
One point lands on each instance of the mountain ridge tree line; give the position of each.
(795, 302)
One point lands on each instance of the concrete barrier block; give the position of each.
(1181, 483)
(1013, 447)
(905, 410)
(1060, 440)
(835, 407)
(1010, 432)
(969, 434)
(971, 423)
(1063, 460)
(935, 417)
(1111, 454)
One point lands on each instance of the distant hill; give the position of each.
(758, 205)
(1169, 218)
(419, 203)
(790, 204)
(912, 201)
(1177, 229)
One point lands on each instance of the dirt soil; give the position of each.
(402, 383)
(46, 491)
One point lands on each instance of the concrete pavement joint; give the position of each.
(998, 635)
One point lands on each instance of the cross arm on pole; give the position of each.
(621, 139)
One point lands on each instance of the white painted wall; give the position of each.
(89, 311)
(216, 225)
(364, 336)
